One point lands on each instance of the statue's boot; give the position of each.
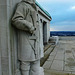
(35, 68)
(30, 68)
(25, 67)
(25, 72)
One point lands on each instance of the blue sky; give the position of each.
(62, 13)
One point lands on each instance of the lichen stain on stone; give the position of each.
(73, 49)
(70, 62)
(68, 51)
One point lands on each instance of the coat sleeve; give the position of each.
(19, 21)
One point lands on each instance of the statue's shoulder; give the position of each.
(21, 4)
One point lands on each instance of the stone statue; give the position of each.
(26, 21)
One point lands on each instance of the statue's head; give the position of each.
(31, 1)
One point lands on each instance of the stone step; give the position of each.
(46, 47)
(49, 72)
(46, 54)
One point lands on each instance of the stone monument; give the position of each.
(26, 21)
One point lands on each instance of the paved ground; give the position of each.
(62, 59)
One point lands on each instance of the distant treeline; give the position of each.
(62, 33)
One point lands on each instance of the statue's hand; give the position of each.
(32, 29)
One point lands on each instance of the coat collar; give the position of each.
(29, 1)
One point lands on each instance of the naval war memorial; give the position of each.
(24, 30)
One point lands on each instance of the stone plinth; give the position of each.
(54, 39)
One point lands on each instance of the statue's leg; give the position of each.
(25, 67)
(35, 67)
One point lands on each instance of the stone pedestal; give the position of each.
(54, 39)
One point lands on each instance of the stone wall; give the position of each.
(45, 26)
(8, 40)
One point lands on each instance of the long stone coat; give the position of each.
(26, 21)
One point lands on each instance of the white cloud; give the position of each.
(63, 28)
(64, 23)
(53, 29)
(43, 0)
(73, 7)
(47, 1)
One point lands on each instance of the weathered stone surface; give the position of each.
(46, 54)
(41, 71)
(3, 15)
(3, 2)
(5, 65)
(68, 55)
(70, 65)
(57, 65)
(51, 58)
(60, 51)
(54, 39)
(47, 65)
(53, 53)
(73, 72)
(52, 72)
(59, 56)
(0, 65)
(63, 61)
